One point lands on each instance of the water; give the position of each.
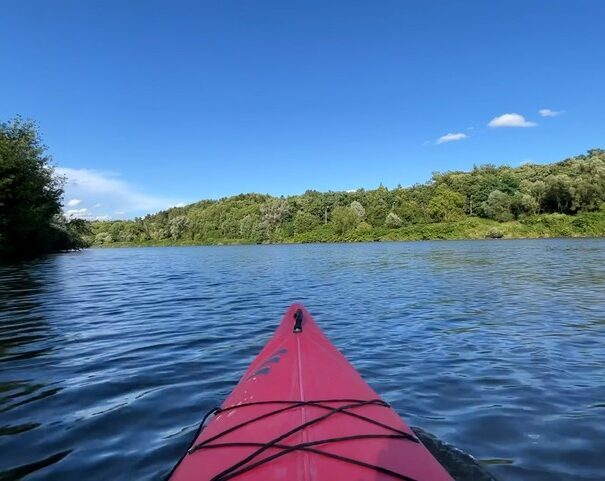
(109, 358)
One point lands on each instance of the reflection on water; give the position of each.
(25, 336)
(108, 358)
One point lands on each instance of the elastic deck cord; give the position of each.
(248, 462)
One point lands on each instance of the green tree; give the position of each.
(558, 195)
(230, 228)
(358, 208)
(446, 205)
(103, 238)
(31, 221)
(247, 226)
(274, 213)
(177, 226)
(305, 222)
(588, 191)
(523, 204)
(344, 219)
(410, 212)
(537, 190)
(379, 204)
(393, 221)
(498, 206)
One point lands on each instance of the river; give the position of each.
(110, 357)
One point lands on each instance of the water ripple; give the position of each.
(109, 358)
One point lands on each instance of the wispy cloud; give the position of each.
(101, 194)
(549, 112)
(82, 213)
(451, 138)
(510, 120)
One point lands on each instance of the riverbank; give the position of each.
(588, 224)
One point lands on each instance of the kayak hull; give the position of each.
(300, 393)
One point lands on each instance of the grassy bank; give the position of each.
(590, 224)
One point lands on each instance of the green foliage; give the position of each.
(247, 226)
(102, 238)
(498, 206)
(359, 209)
(446, 205)
(523, 204)
(527, 201)
(177, 226)
(494, 233)
(344, 219)
(31, 222)
(558, 196)
(274, 212)
(393, 221)
(378, 206)
(305, 222)
(364, 228)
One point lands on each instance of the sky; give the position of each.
(147, 104)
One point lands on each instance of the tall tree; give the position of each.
(30, 196)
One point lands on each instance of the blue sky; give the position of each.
(148, 104)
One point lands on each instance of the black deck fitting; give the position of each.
(298, 317)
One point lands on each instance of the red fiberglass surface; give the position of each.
(305, 366)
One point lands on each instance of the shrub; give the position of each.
(494, 233)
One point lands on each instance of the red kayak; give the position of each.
(302, 413)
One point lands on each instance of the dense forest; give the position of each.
(566, 198)
(31, 218)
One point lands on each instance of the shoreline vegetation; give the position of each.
(547, 226)
(563, 199)
(31, 218)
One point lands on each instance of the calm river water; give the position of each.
(109, 357)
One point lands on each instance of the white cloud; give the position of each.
(549, 112)
(85, 213)
(95, 188)
(84, 210)
(451, 138)
(82, 213)
(73, 202)
(510, 120)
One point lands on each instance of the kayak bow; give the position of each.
(301, 412)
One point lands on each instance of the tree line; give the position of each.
(563, 198)
(499, 194)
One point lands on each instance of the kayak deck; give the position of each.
(301, 412)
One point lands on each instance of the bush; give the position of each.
(344, 219)
(393, 221)
(494, 233)
(305, 222)
(358, 208)
(363, 227)
(498, 206)
(103, 238)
